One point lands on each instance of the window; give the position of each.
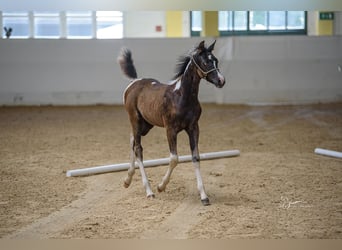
(196, 23)
(62, 24)
(255, 22)
(239, 20)
(225, 20)
(233, 20)
(258, 20)
(46, 24)
(79, 24)
(18, 22)
(109, 24)
(277, 20)
(295, 20)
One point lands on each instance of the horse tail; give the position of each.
(126, 64)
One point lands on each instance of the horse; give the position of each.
(174, 106)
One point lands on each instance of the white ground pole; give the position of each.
(327, 152)
(149, 163)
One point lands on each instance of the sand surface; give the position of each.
(276, 188)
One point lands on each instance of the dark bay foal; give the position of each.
(174, 106)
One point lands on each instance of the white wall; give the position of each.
(312, 23)
(293, 69)
(258, 69)
(338, 23)
(143, 24)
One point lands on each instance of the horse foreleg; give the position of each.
(193, 139)
(145, 181)
(172, 140)
(204, 198)
(131, 169)
(166, 179)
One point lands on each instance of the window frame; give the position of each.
(71, 17)
(251, 32)
(103, 18)
(15, 14)
(53, 16)
(194, 32)
(62, 23)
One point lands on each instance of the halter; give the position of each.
(205, 73)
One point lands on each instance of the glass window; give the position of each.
(225, 20)
(258, 20)
(79, 24)
(295, 20)
(109, 24)
(277, 20)
(46, 25)
(240, 20)
(196, 21)
(262, 22)
(69, 24)
(17, 22)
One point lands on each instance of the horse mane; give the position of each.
(183, 62)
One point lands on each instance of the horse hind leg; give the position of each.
(131, 169)
(139, 127)
(145, 128)
(142, 129)
(139, 158)
(136, 155)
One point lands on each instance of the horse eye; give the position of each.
(205, 61)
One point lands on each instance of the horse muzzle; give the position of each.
(221, 81)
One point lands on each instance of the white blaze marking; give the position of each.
(220, 76)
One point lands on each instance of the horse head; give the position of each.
(206, 64)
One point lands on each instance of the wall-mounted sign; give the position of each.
(326, 16)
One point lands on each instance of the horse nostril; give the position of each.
(222, 82)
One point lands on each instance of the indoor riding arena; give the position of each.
(61, 109)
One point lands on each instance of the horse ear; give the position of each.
(201, 47)
(211, 47)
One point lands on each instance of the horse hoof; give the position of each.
(160, 189)
(126, 185)
(151, 196)
(205, 202)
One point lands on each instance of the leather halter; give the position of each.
(205, 73)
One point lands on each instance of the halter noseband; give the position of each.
(205, 73)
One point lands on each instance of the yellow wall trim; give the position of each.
(210, 23)
(174, 24)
